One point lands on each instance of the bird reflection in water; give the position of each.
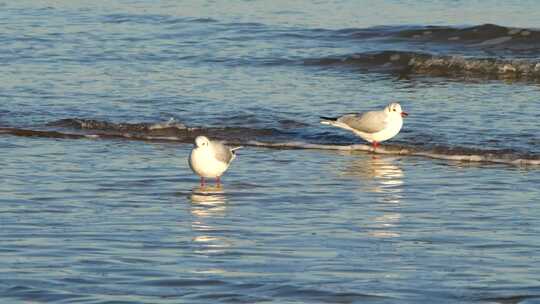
(378, 175)
(208, 204)
(208, 201)
(384, 177)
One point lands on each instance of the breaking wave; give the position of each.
(173, 131)
(485, 51)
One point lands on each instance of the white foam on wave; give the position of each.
(164, 138)
(171, 123)
(493, 41)
(488, 157)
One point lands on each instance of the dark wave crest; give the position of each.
(489, 38)
(486, 35)
(413, 63)
(269, 138)
(170, 130)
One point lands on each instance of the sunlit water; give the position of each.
(117, 220)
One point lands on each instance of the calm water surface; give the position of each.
(110, 219)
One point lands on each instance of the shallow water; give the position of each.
(287, 226)
(99, 105)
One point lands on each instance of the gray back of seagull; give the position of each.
(222, 152)
(368, 122)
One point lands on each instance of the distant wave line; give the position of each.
(406, 63)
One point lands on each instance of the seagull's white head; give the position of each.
(202, 141)
(395, 109)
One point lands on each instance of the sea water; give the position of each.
(100, 103)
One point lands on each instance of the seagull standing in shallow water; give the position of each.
(210, 159)
(372, 126)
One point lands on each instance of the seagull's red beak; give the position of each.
(404, 114)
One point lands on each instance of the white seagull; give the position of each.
(372, 126)
(210, 159)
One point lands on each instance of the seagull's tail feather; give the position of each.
(336, 123)
(233, 150)
(328, 120)
(233, 153)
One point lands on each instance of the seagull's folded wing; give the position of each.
(222, 152)
(369, 122)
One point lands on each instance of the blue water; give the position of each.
(118, 217)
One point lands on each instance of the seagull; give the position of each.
(210, 159)
(372, 126)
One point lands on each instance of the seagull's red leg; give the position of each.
(218, 180)
(202, 181)
(375, 145)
